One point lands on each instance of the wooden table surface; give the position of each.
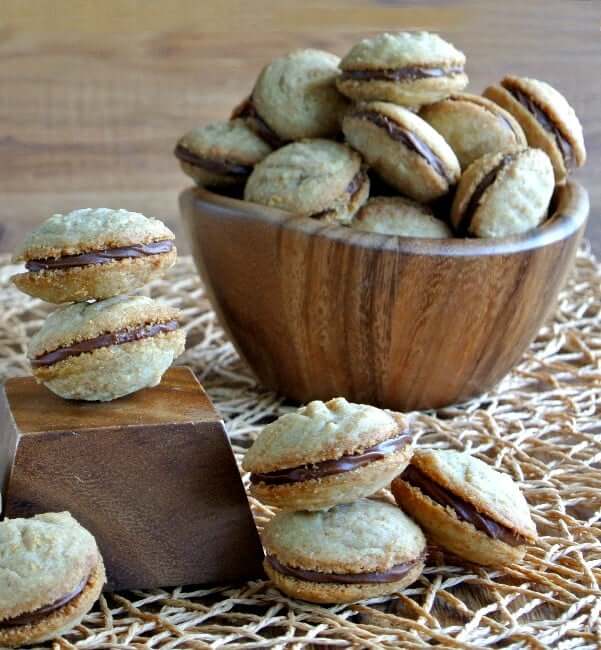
(93, 95)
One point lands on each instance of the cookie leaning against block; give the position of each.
(407, 68)
(360, 550)
(295, 97)
(466, 506)
(547, 119)
(327, 453)
(221, 154)
(103, 350)
(93, 253)
(51, 573)
(395, 215)
(473, 126)
(503, 194)
(319, 178)
(403, 149)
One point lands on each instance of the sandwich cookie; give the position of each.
(466, 507)
(103, 350)
(93, 253)
(327, 453)
(295, 97)
(403, 149)
(395, 215)
(407, 68)
(547, 119)
(51, 573)
(351, 552)
(221, 154)
(320, 179)
(473, 126)
(503, 194)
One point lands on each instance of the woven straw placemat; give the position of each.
(540, 425)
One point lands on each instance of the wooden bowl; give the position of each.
(320, 311)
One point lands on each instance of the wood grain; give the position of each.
(94, 94)
(320, 310)
(152, 476)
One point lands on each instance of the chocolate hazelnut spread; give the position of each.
(31, 618)
(396, 572)
(410, 140)
(100, 257)
(213, 165)
(408, 73)
(330, 467)
(103, 341)
(468, 214)
(247, 110)
(543, 119)
(465, 511)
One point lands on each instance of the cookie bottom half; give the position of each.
(59, 621)
(320, 592)
(444, 529)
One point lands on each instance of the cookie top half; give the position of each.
(91, 229)
(491, 492)
(296, 95)
(42, 559)
(304, 177)
(360, 537)
(321, 431)
(84, 320)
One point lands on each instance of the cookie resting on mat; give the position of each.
(103, 350)
(51, 573)
(351, 552)
(466, 507)
(327, 453)
(93, 253)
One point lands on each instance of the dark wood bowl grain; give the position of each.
(319, 311)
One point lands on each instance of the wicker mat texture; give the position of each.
(541, 425)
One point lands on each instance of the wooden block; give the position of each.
(152, 476)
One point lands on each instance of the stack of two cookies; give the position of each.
(117, 344)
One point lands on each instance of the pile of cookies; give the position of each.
(385, 140)
(332, 543)
(117, 344)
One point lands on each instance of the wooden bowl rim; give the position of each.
(571, 212)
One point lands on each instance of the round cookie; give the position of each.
(473, 126)
(103, 350)
(51, 573)
(395, 215)
(327, 453)
(403, 149)
(466, 507)
(406, 68)
(221, 154)
(318, 178)
(295, 97)
(503, 194)
(93, 253)
(547, 119)
(359, 550)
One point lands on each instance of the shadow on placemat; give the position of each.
(540, 425)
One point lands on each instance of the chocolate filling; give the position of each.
(103, 341)
(213, 165)
(543, 119)
(31, 618)
(408, 139)
(409, 73)
(396, 572)
(353, 187)
(330, 467)
(248, 111)
(468, 214)
(465, 511)
(100, 257)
